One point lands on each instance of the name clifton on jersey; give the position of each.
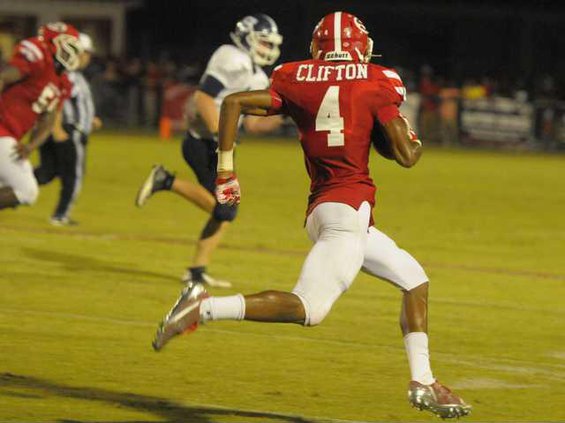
(350, 71)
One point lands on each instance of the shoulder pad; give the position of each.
(390, 77)
(31, 51)
(231, 59)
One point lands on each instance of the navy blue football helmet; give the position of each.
(258, 35)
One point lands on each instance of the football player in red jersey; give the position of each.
(334, 98)
(32, 87)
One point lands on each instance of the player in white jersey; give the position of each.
(232, 68)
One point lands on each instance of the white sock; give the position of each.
(416, 344)
(223, 308)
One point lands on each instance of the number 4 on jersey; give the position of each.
(329, 119)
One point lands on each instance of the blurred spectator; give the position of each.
(132, 75)
(429, 114)
(133, 93)
(152, 86)
(106, 89)
(545, 88)
(473, 90)
(449, 96)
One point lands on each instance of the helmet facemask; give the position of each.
(365, 57)
(67, 51)
(264, 47)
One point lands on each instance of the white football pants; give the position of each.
(17, 174)
(343, 245)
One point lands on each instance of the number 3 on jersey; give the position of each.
(329, 119)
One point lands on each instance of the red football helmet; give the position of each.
(340, 36)
(63, 40)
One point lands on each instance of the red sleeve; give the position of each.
(397, 88)
(387, 113)
(277, 99)
(27, 57)
(20, 63)
(392, 92)
(276, 102)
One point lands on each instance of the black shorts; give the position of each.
(200, 155)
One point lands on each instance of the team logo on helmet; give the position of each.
(63, 41)
(360, 25)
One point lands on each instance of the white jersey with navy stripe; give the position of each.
(234, 70)
(78, 110)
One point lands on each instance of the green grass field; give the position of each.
(79, 305)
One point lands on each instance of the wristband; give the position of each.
(225, 161)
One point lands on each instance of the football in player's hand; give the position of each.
(380, 141)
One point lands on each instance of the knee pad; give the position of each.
(408, 273)
(27, 195)
(316, 309)
(224, 213)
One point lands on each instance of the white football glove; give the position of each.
(227, 190)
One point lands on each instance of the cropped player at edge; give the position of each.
(232, 68)
(334, 98)
(33, 86)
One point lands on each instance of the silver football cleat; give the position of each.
(184, 316)
(437, 399)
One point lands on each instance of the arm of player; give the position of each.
(42, 130)
(97, 123)
(261, 125)
(59, 133)
(9, 75)
(255, 103)
(406, 146)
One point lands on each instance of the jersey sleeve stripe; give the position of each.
(392, 75)
(401, 91)
(31, 50)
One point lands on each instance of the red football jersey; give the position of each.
(40, 90)
(334, 105)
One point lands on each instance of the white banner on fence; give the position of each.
(496, 119)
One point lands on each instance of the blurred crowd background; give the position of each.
(476, 75)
